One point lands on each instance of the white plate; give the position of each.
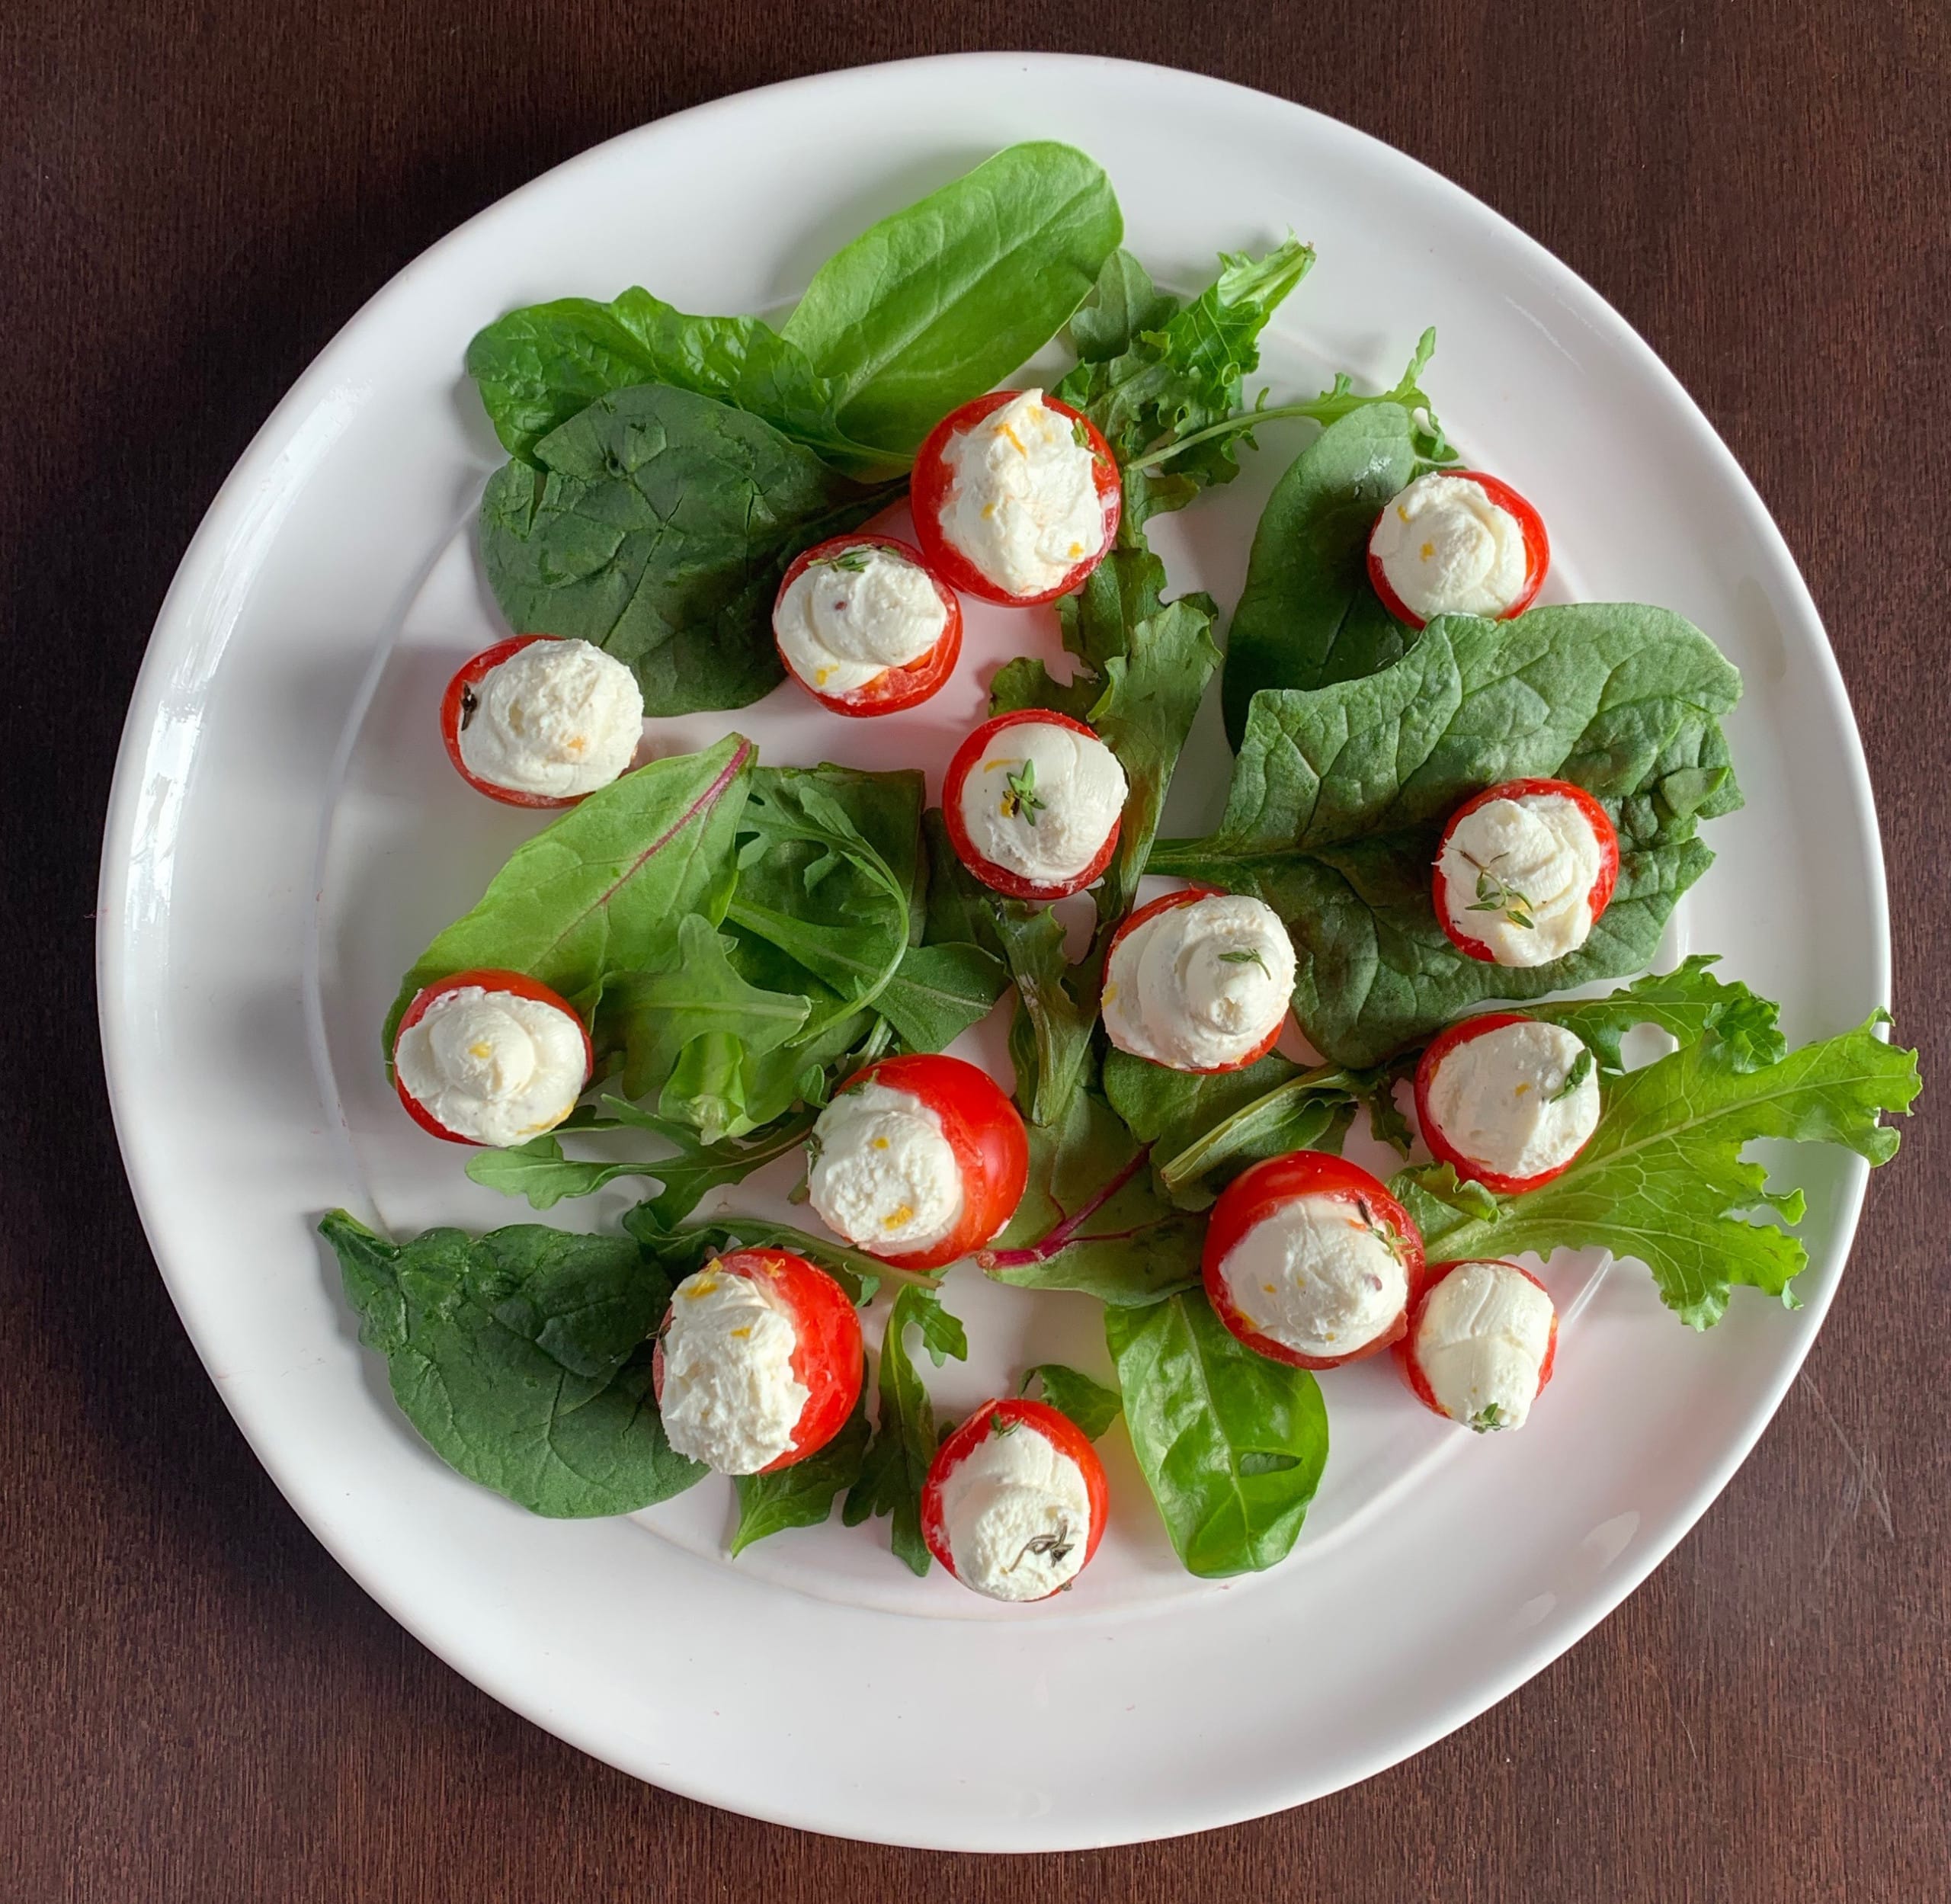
(285, 833)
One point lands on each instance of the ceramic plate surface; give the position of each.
(286, 833)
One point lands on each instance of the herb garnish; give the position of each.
(1054, 1546)
(850, 562)
(1491, 1417)
(470, 705)
(1493, 895)
(1581, 1069)
(1381, 1232)
(1023, 800)
(1251, 956)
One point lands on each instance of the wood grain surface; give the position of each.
(195, 1702)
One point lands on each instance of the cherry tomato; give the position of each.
(1038, 1418)
(908, 686)
(488, 980)
(1256, 1194)
(984, 1130)
(1185, 896)
(1440, 1047)
(967, 757)
(457, 708)
(1405, 1350)
(1595, 817)
(1537, 549)
(929, 490)
(827, 1358)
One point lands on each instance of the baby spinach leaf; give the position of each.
(1090, 1219)
(522, 1358)
(1308, 617)
(657, 526)
(597, 892)
(896, 1467)
(1663, 1180)
(1339, 796)
(538, 366)
(802, 1495)
(940, 301)
(1122, 303)
(939, 991)
(1090, 1405)
(1688, 1002)
(1231, 1444)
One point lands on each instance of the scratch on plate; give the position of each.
(1864, 1484)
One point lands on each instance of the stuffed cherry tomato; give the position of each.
(535, 721)
(757, 1363)
(1506, 1100)
(1480, 1343)
(1033, 803)
(918, 1160)
(490, 1057)
(1523, 872)
(1199, 980)
(1016, 1502)
(1310, 1260)
(1457, 541)
(866, 627)
(1016, 497)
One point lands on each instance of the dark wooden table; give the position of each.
(195, 1703)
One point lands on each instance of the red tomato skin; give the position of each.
(1441, 1148)
(1057, 1428)
(1257, 1194)
(1537, 549)
(899, 687)
(928, 492)
(1597, 818)
(489, 979)
(984, 1130)
(1000, 878)
(469, 675)
(1185, 896)
(827, 1359)
(1405, 1349)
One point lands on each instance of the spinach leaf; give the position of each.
(597, 892)
(1308, 617)
(1687, 1002)
(1124, 303)
(657, 526)
(538, 366)
(522, 1357)
(1339, 796)
(1090, 1405)
(959, 908)
(1231, 1444)
(896, 1467)
(939, 302)
(939, 991)
(1663, 1180)
(802, 1495)
(1090, 1219)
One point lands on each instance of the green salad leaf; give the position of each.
(1231, 1444)
(658, 526)
(1088, 1404)
(1339, 796)
(690, 1246)
(599, 890)
(1090, 1219)
(1664, 1180)
(802, 1495)
(939, 990)
(1687, 1002)
(523, 1358)
(538, 366)
(939, 302)
(896, 1467)
(1050, 1038)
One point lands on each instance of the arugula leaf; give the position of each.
(1308, 617)
(939, 991)
(1050, 1039)
(538, 366)
(1339, 796)
(690, 1246)
(539, 1170)
(522, 1358)
(1231, 1444)
(657, 526)
(896, 1467)
(596, 891)
(802, 1495)
(1090, 1219)
(1688, 1002)
(939, 302)
(1663, 1180)
(1090, 1405)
